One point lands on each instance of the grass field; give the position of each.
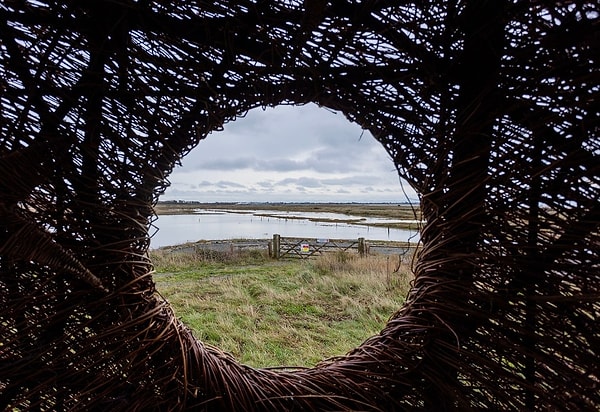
(274, 313)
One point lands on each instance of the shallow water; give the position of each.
(209, 224)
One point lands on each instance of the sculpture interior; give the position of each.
(489, 109)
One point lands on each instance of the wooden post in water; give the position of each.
(362, 247)
(276, 245)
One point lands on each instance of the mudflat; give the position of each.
(382, 210)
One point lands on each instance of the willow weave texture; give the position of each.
(489, 109)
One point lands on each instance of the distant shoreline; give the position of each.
(380, 210)
(393, 216)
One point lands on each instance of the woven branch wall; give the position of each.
(488, 108)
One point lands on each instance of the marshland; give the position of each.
(291, 312)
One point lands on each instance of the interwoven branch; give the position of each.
(487, 108)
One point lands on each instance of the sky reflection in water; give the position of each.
(222, 225)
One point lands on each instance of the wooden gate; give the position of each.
(304, 248)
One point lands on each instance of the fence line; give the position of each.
(304, 248)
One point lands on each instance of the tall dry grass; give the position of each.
(172, 259)
(393, 270)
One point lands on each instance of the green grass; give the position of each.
(273, 313)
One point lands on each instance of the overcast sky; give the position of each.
(288, 154)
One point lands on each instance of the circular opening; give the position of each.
(283, 170)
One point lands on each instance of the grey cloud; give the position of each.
(267, 147)
(225, 184)
(333, 158)
(265, 184)
(355, 180)
(322, 163)
(345, 160)
(364, 182)
(301, 181)
(279, 165)
(268, 164)
(225, 163)
(287, 194)
(205, 184)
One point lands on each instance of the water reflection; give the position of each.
(221, 225)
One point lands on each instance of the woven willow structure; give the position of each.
(488, 108)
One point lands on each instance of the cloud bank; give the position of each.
(288, 154)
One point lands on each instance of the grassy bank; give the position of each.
(271, 313)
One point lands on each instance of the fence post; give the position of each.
(276, 245)
(362, 250)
